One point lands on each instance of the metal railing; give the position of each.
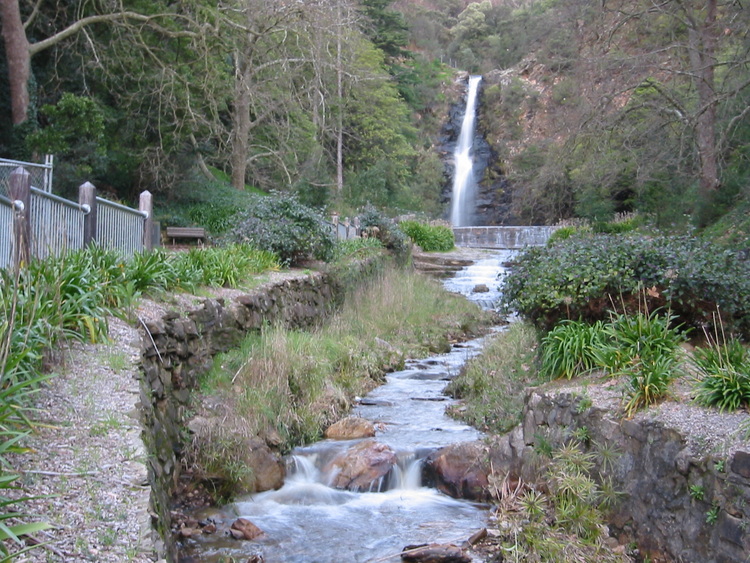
(119, 227)
(56, 224)
(41, 174)
(39, 224)
(6, 231)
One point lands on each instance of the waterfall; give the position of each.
(464, 183)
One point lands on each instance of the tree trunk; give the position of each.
(340, 96)
(19, 59)
(702, 45)
(241, 129)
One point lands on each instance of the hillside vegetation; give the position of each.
(601, 108)
(592, 109)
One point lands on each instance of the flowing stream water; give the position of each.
(464, 183)
(307, 521)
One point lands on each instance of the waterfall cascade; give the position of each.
(464, 183)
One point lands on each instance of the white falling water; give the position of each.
(464, 184)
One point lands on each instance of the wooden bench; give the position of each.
(186, 232)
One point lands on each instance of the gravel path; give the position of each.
(87, 459)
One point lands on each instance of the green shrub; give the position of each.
(225, 266)
(155, 270)
(639, 335)
(570, 348)
(279, 223)
(582, 277)
(387, 231)
(212, 204)
(428, 237)
(562, 233)
(724, 375)
(357, 249)
(639, 346)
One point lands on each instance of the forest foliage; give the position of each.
(592, 109)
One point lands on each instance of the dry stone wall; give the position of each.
(180, 346)
(678, 503)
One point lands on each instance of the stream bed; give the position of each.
(307, 521)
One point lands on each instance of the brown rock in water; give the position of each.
(434, 553)
(361, 466)
(268, 470)
(480, 288)
(351, 428)
(243, 529)
(460, 470)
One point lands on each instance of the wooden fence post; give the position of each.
(145, 204)
(87, 197)
(19, 185)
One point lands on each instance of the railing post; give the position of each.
(87, 197)
(145, 204)
(19, 185)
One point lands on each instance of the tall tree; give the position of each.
(19, 50)
(703, 44)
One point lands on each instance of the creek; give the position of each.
(307, 521)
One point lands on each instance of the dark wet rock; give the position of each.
(459, 470)
(480, 288)
(243, 529)
(434, 553)
(188, 532)
(351, 428)
(375, 402)
(362, 466)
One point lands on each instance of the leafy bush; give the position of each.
(212, 204)
(724, 375)
(387, 231)
(582, 277)
(562, 233)
(428, 237)
(279, 223)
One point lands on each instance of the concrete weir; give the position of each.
(507, 238)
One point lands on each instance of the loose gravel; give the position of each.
(86, 460)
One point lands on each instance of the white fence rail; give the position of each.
(120, 227)
(56, 224)
(34, 223)
(6, 231)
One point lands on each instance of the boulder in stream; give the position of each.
(362, 467)
(243, 529)
(459, 470)
(268, 470)
(480, 288)
(351, 428)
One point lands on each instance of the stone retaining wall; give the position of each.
(180, 346)
(655, 468)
